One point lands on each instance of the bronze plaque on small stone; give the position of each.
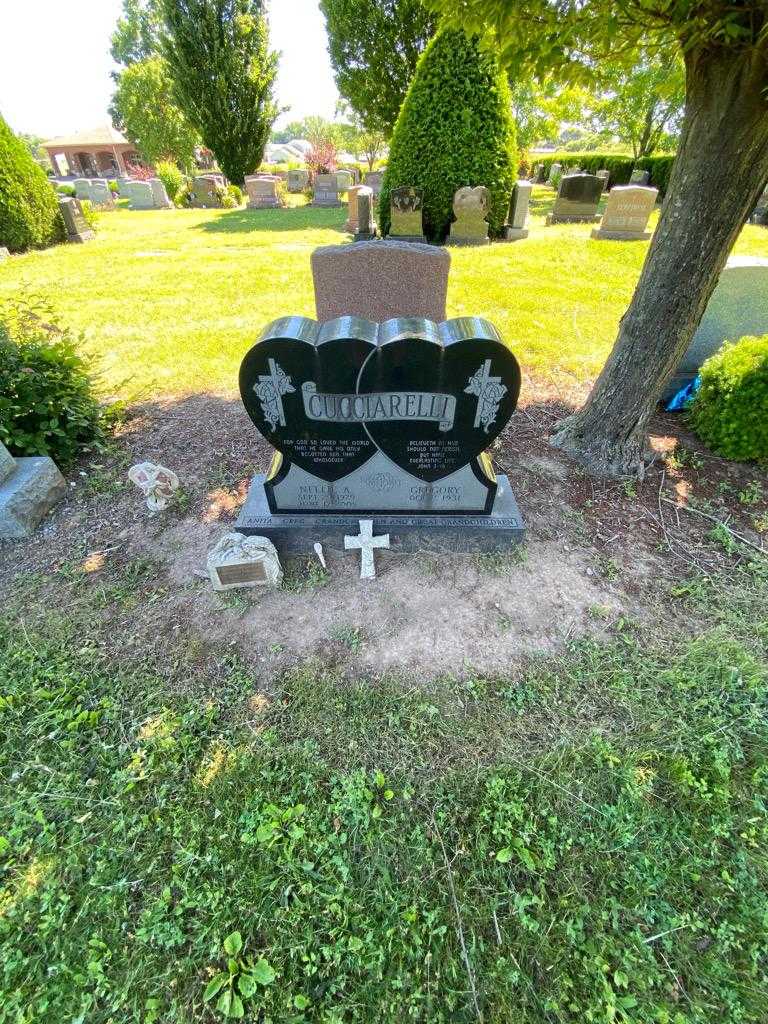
(244, 572)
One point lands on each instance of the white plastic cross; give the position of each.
(366, 542)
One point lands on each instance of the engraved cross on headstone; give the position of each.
(270, 389)
(366, 542)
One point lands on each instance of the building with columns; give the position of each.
(100, 153)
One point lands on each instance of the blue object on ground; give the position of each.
(684, 396)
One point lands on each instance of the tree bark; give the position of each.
(720, 169)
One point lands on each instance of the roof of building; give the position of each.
(104, 135)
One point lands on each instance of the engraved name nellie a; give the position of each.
(379, 407)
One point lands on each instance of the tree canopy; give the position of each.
(223, 75)
(374, 47)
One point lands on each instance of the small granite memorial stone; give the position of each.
(517, 215)
(101, 194)
(626, 213)
(577, 199)
(470, 207)
(640, 177)
(139, 195)
(78, 228)
(264, 191)
(326, 190)
(82, 188)
(738, 308)
(605, 177)
(240, 561)
(298, 179)
(390, 419)
(555, 171)
(29, 487)
(406, 208)
(366, 225)
(380, 280)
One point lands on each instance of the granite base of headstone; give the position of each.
(738, 308)
(379, 280)
(406, 212)
(577, 200)
(78, 228)
(517, 215)
(389, 421)
(29, 487)
(626, 214)
(470, 208)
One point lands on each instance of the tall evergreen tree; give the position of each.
(223, 73)
(374, 47)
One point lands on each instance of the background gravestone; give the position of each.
(159, 195)
(326, 190)
(263, 191)
(738, 308)
(517, 214)
(204, 191)
(640, 177)
(380, 280)
(298, 179)
(577, 199)
(554, 171)
(29, 487)
(373, 179)
(626, 213)
(344, 180)
(604, 176)
(406, 211)
(760, 213)
(78, 228)
(366, 225)
(139, 195)
(351, 221)
(101, 194)
(470, 206)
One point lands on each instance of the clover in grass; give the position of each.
(239, 981)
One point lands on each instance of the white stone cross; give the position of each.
(366, 542)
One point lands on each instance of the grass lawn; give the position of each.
(171, 300)
(214, 806)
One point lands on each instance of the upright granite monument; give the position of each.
(78, 228)
(264, 191)
(366, 224)
(298, 179)
(326, 190)
(577, 200)
(391, 421)
(640, 177)
(406, 210)
(373, 179)
(139, 195)
(626, 213)
(517, 215)
(29, 487)
(470, 208)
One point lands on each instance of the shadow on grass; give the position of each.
(297, 218)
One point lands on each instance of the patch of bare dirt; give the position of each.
(597, 552)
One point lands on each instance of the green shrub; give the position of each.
(236, 193)
(66, 190)
(47, 404)
(114, 188)
(172, 177)
(454, 128)
(91, 216)
(29, 209)
(730, 412)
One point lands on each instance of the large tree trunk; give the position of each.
(721, 166)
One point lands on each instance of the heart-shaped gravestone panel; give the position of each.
(456, 384)
(288, 381)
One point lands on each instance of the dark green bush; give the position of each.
(66, 190)
(455, 128)
(29, 209)
(47, 404)
(730, 412)
(620, 166)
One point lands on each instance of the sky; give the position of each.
(55, 63)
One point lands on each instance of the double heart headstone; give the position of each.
(372, 417)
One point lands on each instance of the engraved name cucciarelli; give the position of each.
(378, 407)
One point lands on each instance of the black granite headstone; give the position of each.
(78, 228)
(386, 419)
(577, 199)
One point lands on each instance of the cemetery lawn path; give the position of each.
(170, 300)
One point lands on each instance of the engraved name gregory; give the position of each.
(378, 407)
